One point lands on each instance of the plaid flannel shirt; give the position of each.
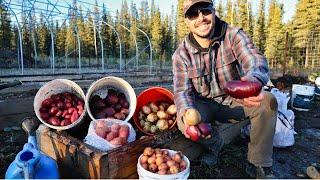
(232, 55)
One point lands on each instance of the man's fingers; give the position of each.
(251, 103)
(258, 98)
(185, 130)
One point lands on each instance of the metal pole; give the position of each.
(20, 38)
(101, 42)
(135, 40)
(118, 40)
(150, 58)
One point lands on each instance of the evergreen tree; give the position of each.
(259, 30)
(305, 23)
(245, 17)
(43, 37)
(220, 10)
(61, 40)
(156, 34)
(275, 35)
(181, 27)
(5, 28)
(229, 13)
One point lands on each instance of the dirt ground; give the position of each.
(289, 162)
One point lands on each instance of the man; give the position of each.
(212, 54)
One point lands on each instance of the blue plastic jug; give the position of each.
(30, 163)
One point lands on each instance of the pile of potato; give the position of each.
(114, 105)
(161, 162)
(156, 117)
(115, 134)
(61, 109)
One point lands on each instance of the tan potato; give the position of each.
(162, 124)
(162, 115)
(172, 109)
(152, 117)
(154, 107)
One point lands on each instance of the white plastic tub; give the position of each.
(101, 86)
(55, 87)
(147, 175)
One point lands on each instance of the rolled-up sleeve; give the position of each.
(182, 85)
(252, 61)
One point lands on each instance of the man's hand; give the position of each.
(251, 101)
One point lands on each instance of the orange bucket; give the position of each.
(153, 94)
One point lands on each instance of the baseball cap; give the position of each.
(187, 4)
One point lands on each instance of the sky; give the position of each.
(165, 5)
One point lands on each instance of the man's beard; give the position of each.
(210, 34)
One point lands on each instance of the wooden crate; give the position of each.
(79, 160)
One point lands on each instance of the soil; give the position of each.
(290, 162)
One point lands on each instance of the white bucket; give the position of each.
(144, 174)
(55, 87)
(100, 87)
(304, 90)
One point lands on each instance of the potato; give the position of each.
(163, 166)
(165, 105)
(47, 102)
(112, 99)
(154, 107)
(53, 110)
(44, 115)
(172, 109)
(153, 168)
(117, 141)
(159, 160)
(161, 108)
(119, 116)
(144, 159)
(151, 160)
(162, 115)
(111, 135)
(124, 131)
(54, 121)
(146, 110)
(145, 166)
(142, 123)
(152, 117)
(192, 117)
(153, 129)
(177, 157)
(170, 163)
(100, 132)
(124, 111)
(115, 127)
(162, 124)
(183, 165)
(74, 117)
(65, 122)
(148, 151)
(147, 128)
(174, 169)
(142, 116)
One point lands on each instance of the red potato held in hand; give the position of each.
(194, 133)
(205, 129)
(242, 89)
